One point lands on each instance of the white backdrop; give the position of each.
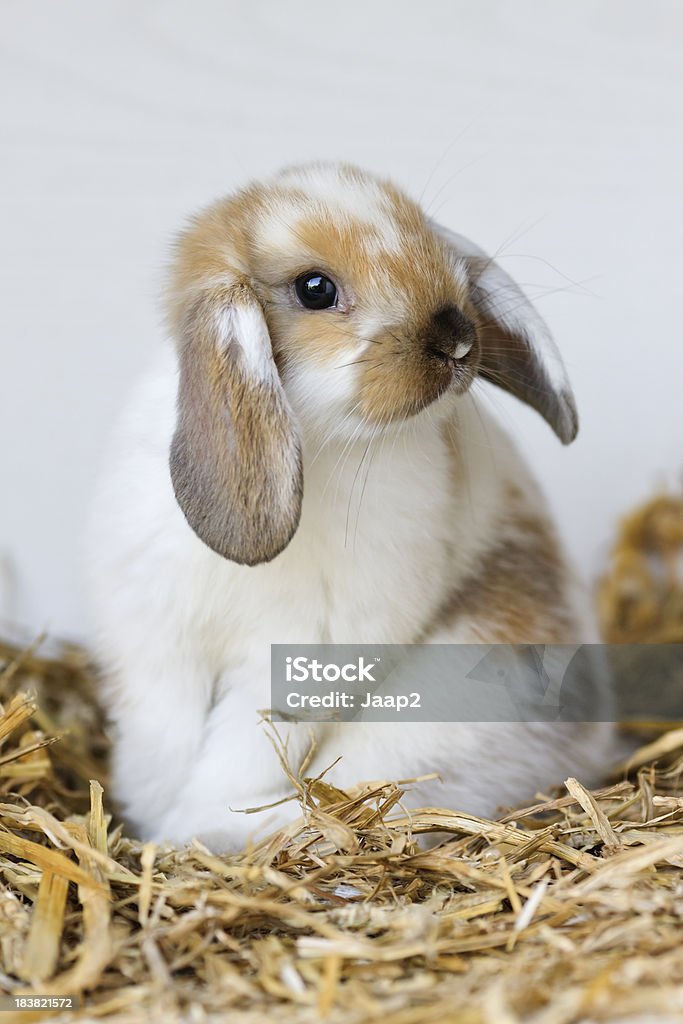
(550, 132)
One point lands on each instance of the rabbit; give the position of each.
(311, 462)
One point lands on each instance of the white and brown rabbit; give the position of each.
(310, 464)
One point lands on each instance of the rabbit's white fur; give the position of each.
(184, 634)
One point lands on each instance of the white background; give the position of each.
(548, 131)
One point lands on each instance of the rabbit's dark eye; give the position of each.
(315, 291)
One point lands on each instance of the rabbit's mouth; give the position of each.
(408, 371)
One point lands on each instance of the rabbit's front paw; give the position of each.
(221, 830)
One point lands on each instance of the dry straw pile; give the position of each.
(570, 910)
(641, 597)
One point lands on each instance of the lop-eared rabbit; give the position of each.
(311, 462)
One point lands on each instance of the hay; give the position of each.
(565, 911)
(569, 910)
(640, 599)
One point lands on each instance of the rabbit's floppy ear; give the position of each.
(517, 349)
(235, 456)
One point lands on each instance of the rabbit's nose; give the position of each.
(451, 334)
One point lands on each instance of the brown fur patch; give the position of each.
(517, 593)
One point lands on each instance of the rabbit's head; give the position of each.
(325, 300)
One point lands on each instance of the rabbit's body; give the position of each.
(428, 530)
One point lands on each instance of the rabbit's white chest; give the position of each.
(370, 562)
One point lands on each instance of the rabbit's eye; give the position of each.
(315, 291)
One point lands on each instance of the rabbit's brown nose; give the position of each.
(451, 334)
